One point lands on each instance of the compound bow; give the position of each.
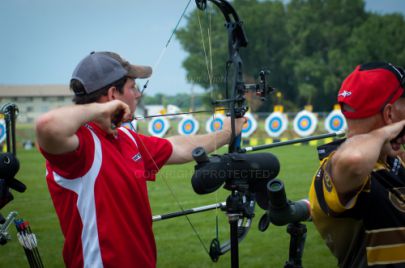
(240, 204)
(235, 101)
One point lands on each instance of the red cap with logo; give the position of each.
(369, 88)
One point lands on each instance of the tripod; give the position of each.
(240, 205)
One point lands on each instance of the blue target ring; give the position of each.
(158, 126)
(275, 124)
(216, 124)
(247, 127)
(2, 131)
(188, 127)
(336, 123)
(304, 123)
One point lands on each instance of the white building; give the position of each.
(34, 100)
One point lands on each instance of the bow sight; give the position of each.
(261, 89)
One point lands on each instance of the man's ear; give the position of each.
(111, 93)
(387, 114)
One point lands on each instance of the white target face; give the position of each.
(188, 126)
(133, 125)
(335, 122)
(215, 123)
(3, 131)
(305, 123)
(250, 126)
(275, 124)
(158, 127)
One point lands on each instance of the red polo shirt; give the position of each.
(100, 196)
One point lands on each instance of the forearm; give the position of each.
(66, 120)
(184, 145)
(56, 129)
(356, 158)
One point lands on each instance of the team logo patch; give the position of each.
(345, 94)
(137, 157)
(327, 182)
(396, 165)
(398, 198)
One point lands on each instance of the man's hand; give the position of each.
(184, 145)
(395, 134)
(239, 122)
(113, 114)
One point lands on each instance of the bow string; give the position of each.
(236, 104)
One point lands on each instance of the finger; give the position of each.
(117, 118)
(395, 146)
(399, 137)
(128, 116)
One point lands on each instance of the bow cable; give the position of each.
(209, 65)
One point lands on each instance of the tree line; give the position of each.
(308, 46)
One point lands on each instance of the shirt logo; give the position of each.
(137, 157)
(327, 182)
(397, 198)
(345, 94)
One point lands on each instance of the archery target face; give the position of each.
(335, 122)
(188, 126)
(275, 124)
(214, 123)
(3, 132)
(250, 126)
(158, 127)
(305, 123)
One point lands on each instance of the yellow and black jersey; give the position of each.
(368, 230)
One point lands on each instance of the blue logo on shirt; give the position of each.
(137, 157)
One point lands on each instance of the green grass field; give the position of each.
(177, 244)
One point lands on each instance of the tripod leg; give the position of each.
(233, 221)
(298, 233)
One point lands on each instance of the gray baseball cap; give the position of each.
(100, 69)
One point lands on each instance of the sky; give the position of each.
(43, 40)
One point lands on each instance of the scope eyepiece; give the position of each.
(199, 155)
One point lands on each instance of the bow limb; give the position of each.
(236, 39)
